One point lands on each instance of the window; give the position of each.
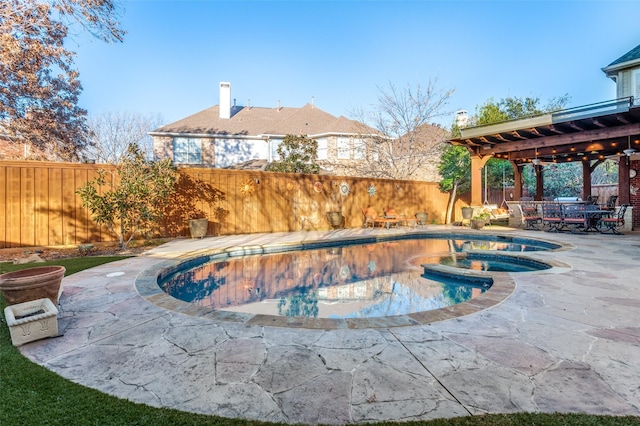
(359, 149)
(635, 86)
(322, 148)
(187, 151)
(275, 144)
(344, 148)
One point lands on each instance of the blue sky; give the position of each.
(342, 52)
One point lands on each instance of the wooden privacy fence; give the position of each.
(39, 205)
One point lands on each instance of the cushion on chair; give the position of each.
(390, 213)
(370, 213)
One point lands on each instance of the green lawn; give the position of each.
(72, 265)
(32, 395)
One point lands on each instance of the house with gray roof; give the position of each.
(225, 135)
(625, 71)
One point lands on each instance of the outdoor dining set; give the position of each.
(573, 216)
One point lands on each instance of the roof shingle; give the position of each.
(631, 55)
(255, 121)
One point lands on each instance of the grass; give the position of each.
(72, 265)
(32, 395)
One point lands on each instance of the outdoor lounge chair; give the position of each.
(614, 222)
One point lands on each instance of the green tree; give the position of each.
(511, 108)
(455, 169)
(137, 196)
(298, 154)
(39, 88)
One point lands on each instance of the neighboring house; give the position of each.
(226, 135)
(625, 71)
(13, 149)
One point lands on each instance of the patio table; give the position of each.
(593, 219)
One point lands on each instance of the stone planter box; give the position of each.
(31, 321)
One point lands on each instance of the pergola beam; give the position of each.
(568, 138)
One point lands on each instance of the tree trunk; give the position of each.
(451, 203)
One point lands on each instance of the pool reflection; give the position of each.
(358, 281)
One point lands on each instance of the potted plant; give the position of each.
(479, 221)
(334, 204)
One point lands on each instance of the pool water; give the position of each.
(353, 281)
(493, 263)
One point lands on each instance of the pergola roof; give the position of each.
(590, 132)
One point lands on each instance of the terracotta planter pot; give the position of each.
(477, 223)
(32, 284)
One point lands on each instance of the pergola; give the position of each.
(588, 134)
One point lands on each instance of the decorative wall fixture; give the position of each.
(247, 188)
(317, 186)
(372, 190)
(344, 188)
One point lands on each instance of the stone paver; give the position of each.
(566, 340)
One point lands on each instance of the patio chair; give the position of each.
(611, 203)
(552, 216)
(529, 216)
(614, 222)
(574, 216)
(371, 218)
(402, 219)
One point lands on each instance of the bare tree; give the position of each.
(39, 88)
(406, 140)
(111, 134)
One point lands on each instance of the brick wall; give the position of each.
(635, 194)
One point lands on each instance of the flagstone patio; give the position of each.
(565, 340)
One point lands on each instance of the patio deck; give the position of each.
(565, 341)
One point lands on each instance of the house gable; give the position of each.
(625, 71)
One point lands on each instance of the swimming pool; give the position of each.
(337, 280)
